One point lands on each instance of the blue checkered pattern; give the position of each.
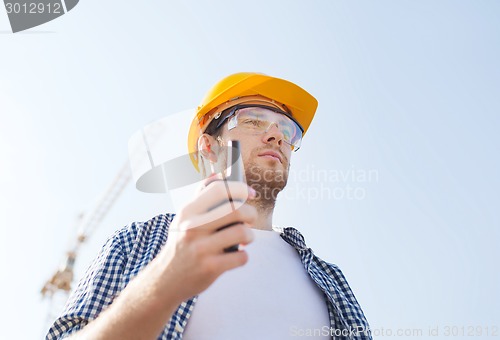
(130, 249)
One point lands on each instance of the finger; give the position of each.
(208, 180)
(218, 192)
(223, 216)
(228, 261)
(227, 237)
(212, 178)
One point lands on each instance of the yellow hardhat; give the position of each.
(299, 102)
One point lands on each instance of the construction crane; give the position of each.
(60, 282)
(146, 139)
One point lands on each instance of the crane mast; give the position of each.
(59, 285)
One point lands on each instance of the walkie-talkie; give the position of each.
(234, 173)
(234, 161)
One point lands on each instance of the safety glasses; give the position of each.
(257, 119)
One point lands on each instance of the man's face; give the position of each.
(266, 158)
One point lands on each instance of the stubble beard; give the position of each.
(267, 183)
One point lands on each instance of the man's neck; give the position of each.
(264, 219)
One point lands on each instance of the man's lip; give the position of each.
(273, 154)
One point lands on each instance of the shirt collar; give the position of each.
(292, 236)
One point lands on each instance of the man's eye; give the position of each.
(252, 122)
(288, 132)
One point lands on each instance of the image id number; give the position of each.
(470, 331)
(33, 8)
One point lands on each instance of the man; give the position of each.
(145, 285)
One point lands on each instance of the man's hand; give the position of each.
(194, 256)
(192, 259)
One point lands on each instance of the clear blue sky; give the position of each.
(408, 92)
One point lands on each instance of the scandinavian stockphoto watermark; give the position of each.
(24, 15)
(313, 184)
(448, 331)
(335, 333)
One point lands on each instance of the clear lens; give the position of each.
(259, 120)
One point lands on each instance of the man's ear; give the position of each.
(206, 146)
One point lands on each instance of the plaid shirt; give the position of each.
(131, 249)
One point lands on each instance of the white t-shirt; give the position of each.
(271, 297)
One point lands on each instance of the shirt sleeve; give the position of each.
(346, 302)
(95, 291)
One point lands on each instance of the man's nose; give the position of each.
(273, 133)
